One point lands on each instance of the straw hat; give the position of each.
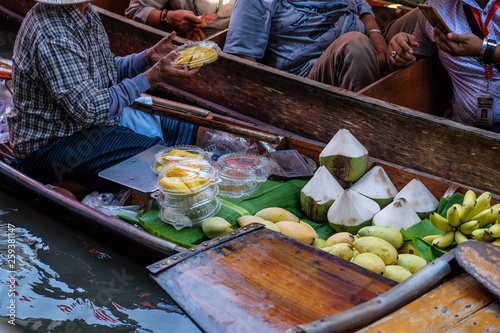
(62, 2)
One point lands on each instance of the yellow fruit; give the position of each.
(387, 233)
(397, 273)
(276, 214)
(310, 228)
(319, 243)
(411, 262)
(408, 247)
(377, 246)
(340, 237)
(248, 219)
(296, 230)
(174, 186)
(342, 250)
(371, 262)
(215, 226)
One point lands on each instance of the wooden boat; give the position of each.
(367, 119)
(239, 88)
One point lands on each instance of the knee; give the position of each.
(355, 43)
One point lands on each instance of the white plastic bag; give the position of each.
(108, 205)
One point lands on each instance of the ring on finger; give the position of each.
(394, 54)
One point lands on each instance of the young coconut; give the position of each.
(345, 157)
(319, 194)
(376, 185)
(351, 212)
(399, 214)
(419, 197)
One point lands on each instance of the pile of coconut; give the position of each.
(345, 195)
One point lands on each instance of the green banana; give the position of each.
(453, 215)
(482, 202)
(468, 227)
(460, 237)
(430, 238)
(468, 206)
(444, 240)
(440, 222)
(482, 235)
(494, 230)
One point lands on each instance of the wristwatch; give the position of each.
(487, 52)
(164, 18)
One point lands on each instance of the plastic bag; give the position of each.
(5, 108)
(218, 143)
(108, 205)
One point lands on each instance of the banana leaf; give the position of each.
(270, 194)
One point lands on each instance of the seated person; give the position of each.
(69, 92)
(468, 53)
(192, 19)
(337, 43)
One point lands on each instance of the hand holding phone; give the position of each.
(434, 18)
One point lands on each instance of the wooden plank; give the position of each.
(437, 310)
(486, 319)
(424, 86)
(272, 282)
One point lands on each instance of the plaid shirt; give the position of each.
(62, 69)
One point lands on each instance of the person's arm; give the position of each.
(377, 38)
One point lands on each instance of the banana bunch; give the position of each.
(196, 56)
(471, 220)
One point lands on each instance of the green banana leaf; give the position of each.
(269, 194)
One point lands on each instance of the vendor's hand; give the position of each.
(403, 44)
(380, 46)
(160, 49)
(458, 45)
(162, 71)
(184, 20)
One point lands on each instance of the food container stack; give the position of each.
(187, 192)
(241, 174)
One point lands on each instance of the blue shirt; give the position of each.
(291, 35)
(66, 78)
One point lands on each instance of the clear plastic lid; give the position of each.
(196, 54)
(175, 154)
(243, 167)
(186, 177)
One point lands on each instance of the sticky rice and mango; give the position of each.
(187, 177)
(173, 156)
(196, 56)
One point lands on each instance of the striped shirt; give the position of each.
(66, 77)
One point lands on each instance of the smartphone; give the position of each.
(434, 18)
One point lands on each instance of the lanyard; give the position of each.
(472, 13)
(492, 12)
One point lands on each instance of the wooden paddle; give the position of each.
(479, 259)
(204, 118)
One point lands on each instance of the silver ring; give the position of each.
(394, 54)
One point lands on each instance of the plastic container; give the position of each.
(175, 154)
(241, 174)
(196, 54)
(187, 193)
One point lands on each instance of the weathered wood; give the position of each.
(424, 86)
(487, 319)
(272, 285)
(446, 307)
(317, 111)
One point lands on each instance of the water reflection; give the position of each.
(60, 281)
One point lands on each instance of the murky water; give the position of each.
(56, 279)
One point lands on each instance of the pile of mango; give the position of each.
(376, 248)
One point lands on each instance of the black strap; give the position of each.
(474, 25)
